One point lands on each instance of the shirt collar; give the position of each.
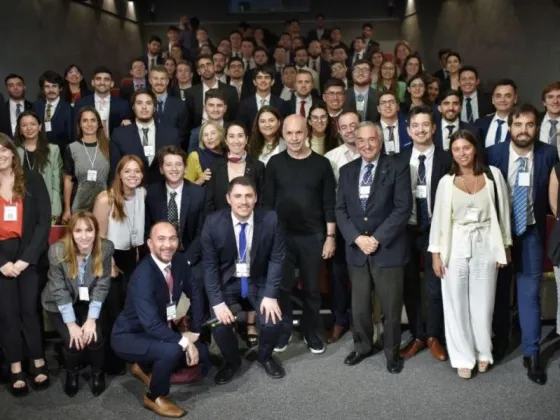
(162, 97)
(496, 118)
(150, 125)
(547, 118)
(472, 96)
(54, 103)
(99, 99)
(178, 190)
(161, 265)
(384, 125)
(249, 221)
(428, 153)
(266, 98)
(514, 155)
(22, 102)
(374, 161)
(206, 88)
(445, 123)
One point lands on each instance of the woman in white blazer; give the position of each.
(469, 240)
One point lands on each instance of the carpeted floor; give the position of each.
(322, 387)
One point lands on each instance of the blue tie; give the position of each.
(159, 110)
(423, 216)
(498, 138)
(367, 180)
(520, 200)
(243, 258)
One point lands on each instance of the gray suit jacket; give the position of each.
(61, 289)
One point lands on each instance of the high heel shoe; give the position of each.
(98, 383)
(35, 372)
(16, 377)
(72, 385)
(483, 366)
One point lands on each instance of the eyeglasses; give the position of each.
(390, 102)
(359, 70)
(417, 86)
(315, 118)
(333, 94)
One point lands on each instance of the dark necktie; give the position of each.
(470, 118)
(243, 259)
(362, 113)
(423, 215)
(335, 124)
(152, 63)
(450, 128)
(391, 129)
(552, 134)
(145, 141)
(302, 108)
(367, 180)
(173, 211)
(498, 138)
(159, 110)
(18, 111)
(314, 65)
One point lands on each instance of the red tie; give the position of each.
(335, 124)
(169, 279)
(302, 108)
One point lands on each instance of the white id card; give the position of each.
(171, 311)
(92, 175)
(84, 293)
(472, 214)
(364, 191)
(360, 105)
(390, 147)
(421, 191)
(149, 151)
(242, 270)
(48, 126)
(524, 179)
(10, 213)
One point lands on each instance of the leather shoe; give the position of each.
(412, 348)
(137, 372)
(72, 384)
(336, 334)
(163, 406)
(534, 371)
(225, 374)
(437, 350)
(355, 357)
(273, 368)
(395, 364)
(98, 384)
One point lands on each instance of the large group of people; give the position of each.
(282, 159)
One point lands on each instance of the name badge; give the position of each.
(421, 191)
(10, 213)
(242, 270)
(390, 147)
(92, 175)
(360, 105)
(472, 214)
(171, 311)
(524, 179)
(84, 293)
(48, 126)
(364, 191)
(149, 151)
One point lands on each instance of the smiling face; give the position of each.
(236, 140)
(163, 241)
(294, 132)
(268, 124)
(368, 142)
(29, 127)
(504, 98)
(6, 158)
(84, 235)
(417, 88)
(159, 81)
(74, 76)
(412, 67)
(211, 137)
(421, 129)
(131, 175)
(523, 130)
(468, 82)
(552, 102)
(215, 108)
(173, 168)
(334, 98)
(463, 153)
(89, 123)
(347, 123)
(102, 83)
(242, 200)
(450, 108)
(318, 118)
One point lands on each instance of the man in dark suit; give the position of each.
(526, 164)
(373, 207)
(302, 100)
(57, 115)
(153, 56)
(450, 110)
(215, 108)
(195, 95)
(139, 80)
(319, 32)
(428, 164)
(362, 97)
(476, 103)
(442, 73)
(372, 46)
(112, 110)
(243, 256)
(393, 125)
(146, 333)
(494, 128)
(14, 106)
(316, 63)
(236, 78)
(144, 138)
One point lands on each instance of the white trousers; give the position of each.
(468, 291)
(557, 276)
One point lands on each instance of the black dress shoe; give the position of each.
(72, 386)
(273, 368)
(98, 383)
(395, 364)
(225, 374)
(534, 371)
(355, 357)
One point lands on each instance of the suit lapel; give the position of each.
(351, 98)
(184, 206)
(159, 274)
(138, 144)
(256, 234)
(380, 172)
(231, 242)
(355, 180)
(371, 104)
(26, 212)
(538, 166)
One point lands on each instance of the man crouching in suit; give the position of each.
(145, 333)
(243, 256)
(373, 206)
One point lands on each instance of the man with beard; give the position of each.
(317, 63)
(302, 61)
(450, 109)
(195, 95)
(526, 164)
(362, 97)
(215, 107)
(144, 138)
(219, 60)
(14, 106)
(302, 100)
(236, 78)
(393, 124)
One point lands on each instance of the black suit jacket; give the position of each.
(312, 35)
(5, 118)
(292, 103)
(387, 212)
(248, 110)
(191, 217)
(119, 110)
(175, 115)
(216, 188)
(126, 91)
(195, 103)
(440, 74)
(126, 141)
(63, 128)
(485, 106)
(371, 109)
(462, 126)
(160, 61)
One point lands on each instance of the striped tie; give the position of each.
(552, 134)
(367, 180)
(520, 199)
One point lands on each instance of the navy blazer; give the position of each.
(160, 61)
(545, 157)
(119, 110)
(126, 141)
(462, 126)
(193, 199)
(6, 120)
(248, 110)
(195, 103)
(144, 317)
(387, 212)
(405, 142)
(219, 253)
(63, 130)
(292, 103)
(371, 109)
(175, 115)
(483, 125)
(484, 102)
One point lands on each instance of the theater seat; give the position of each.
(116, 92)
(126, 81)
(56, 233)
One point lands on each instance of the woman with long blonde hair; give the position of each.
(211, 148)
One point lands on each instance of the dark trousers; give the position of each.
(388, 284)
(501, 319)
(94, 352)
(224, 336)
(433, 327)
(304, 252)
(338, 278)
(19, 319)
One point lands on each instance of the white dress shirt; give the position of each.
(317, 62)
(53, 104)
(151, 137)
(474, 106)
(286, 93)
(179, 191)
(445, 132)
(237, 85)
(306, 105)
(248, 234)
(363, 171)
(491, 135)
(414, 163)
(204, 90)
(387, 134)
(544, 134)
(340, 156)
(260, 100)
(103, 107)
(13, 113)
(221, 78)
(512, 177)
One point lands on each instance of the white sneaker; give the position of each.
(283, 349)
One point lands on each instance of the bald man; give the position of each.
(300, 186)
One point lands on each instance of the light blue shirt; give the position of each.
(162, 98)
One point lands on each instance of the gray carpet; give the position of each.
(322, 387)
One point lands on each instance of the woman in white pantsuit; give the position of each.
(469, 240)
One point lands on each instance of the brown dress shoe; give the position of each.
(336, 333)
(140, 374)
(163, 407)
(412, 348)
(437, 349)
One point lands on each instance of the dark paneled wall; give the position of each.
(50, 34)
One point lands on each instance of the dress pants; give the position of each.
(19, 319)
(501, 321)
(468, 290)
(94, 352)
(224, 336)
(528, 264)
(388, 285)
(557, 276)
(419, 241)
(338, 277)
(304, 252)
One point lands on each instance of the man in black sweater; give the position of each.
(300, 185)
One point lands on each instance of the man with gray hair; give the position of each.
(372, 210)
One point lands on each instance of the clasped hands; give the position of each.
(368, 244)
(269, 308)
(11, 269)
(80, 337)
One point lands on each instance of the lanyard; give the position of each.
(91, 161)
